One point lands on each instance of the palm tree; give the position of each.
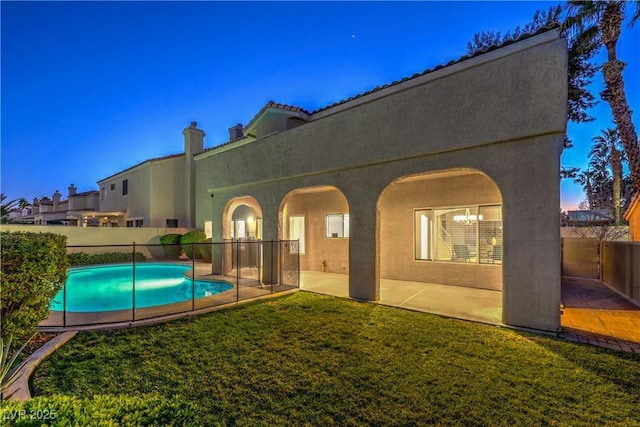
(608, 152)
(601, 22)
(5, 208)
(585, 179)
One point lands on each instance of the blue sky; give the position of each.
(92, 88)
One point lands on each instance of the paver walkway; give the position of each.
(595, 314)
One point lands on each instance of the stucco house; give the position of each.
(449, 176)
(157, 192)
(78, 209)
(632, 216)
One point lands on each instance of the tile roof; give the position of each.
(86, 193)
(290, 108)
(438, 67)
(156, 159)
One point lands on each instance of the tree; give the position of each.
(607, 151)
(600, 23)
(585, 178)
(5, 208)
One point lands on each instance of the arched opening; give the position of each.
(318, 217)
(242, 224)
(242, 219)
(440, 244)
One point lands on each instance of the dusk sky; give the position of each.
(92, 88)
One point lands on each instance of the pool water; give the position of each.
(110, 287)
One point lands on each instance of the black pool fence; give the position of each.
(213, 274)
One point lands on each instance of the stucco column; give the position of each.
(270, 253)
(364, 272)
(531, 264)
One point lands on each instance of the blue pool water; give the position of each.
(110, 287)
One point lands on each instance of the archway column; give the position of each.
(364, 269)
(270, 256)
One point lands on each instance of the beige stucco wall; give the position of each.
(502, 113)
(396, 213)
(90, 201)
(168, 192)
(156, 192)
(315, 206)
(97, 239)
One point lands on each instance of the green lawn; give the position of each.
(306, 359)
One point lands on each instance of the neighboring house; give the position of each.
(79, 209)
(586, 217)
(157, 192)
(632, 216)
(449, 176)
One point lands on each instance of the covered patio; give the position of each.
(478, 305)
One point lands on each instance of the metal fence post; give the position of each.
(133, 276)
(271, 261)
(193, 276)
(237, 270)
(64, 306)
(298, 266)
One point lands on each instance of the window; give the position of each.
(125, 187)
(490, 234)
(172, 223)
(456, 234)
(113, 187)
(337, 225)
(296, 231)
(104, 193)
(239, 229)
(461, 234)
(135, 222)
(423, 229)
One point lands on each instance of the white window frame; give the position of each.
(297, 232)
(344, 228)
(433, 234)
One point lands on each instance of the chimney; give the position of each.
(193, 144)
(193, 139)
(72, 190)
(56, 200)
(235, 132)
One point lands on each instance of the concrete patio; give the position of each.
(478, 305)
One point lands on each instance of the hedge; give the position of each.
(60, 410)
(34, 268)
(205, 250)
(82, 258)
(171, 245)
(192, 237)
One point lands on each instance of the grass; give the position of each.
(307, 359)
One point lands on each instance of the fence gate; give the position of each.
(289, 263)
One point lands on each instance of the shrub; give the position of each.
(171, 245)
(82, 258)
(60, 410)
(192, 237)
(205, 250)
(34, 269)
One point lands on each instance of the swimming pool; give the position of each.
(110, 287)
